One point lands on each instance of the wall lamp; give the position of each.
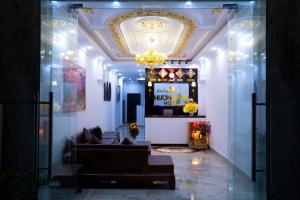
(193, 85)
(149, 88)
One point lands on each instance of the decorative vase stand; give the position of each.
(198, 135)
(198, 146)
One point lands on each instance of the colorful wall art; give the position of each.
(74, 97)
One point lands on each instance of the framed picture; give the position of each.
(118, 95)
(107, 91)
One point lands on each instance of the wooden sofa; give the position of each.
(125, 166)
(110, 164)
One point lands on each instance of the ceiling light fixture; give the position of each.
(151, 58)
(116, 4)
(188, 3)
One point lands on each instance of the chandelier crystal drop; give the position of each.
(151, 58)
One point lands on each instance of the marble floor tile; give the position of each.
(199, 176)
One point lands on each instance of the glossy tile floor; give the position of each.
(199, 175)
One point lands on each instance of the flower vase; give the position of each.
(191, 114)
(133, 134)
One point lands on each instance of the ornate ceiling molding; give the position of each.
(113, 26)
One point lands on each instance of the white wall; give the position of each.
(217, 101)
(201, 98)
(97, 113)
(119, 105)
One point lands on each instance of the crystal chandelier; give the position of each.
(151, 58)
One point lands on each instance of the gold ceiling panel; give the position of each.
(113, 27)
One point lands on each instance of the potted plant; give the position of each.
(190, 107)
(133, 129)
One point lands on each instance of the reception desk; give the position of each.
(169, 129)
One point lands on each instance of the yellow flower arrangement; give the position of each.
(190, 107)
(133, 129)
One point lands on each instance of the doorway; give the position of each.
(133, 99)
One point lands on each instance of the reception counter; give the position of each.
(169, 129)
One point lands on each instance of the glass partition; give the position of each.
(241, 86)
(247, 94)
(58, 94)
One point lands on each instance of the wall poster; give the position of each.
(74, 96)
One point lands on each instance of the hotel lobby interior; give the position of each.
(152, 100)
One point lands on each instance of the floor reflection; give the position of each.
(199, 175)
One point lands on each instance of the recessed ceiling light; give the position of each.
(216, 49)
(188, 3)
(116, 4)
(54, 2)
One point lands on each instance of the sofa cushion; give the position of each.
(78, 138)
(97, 132)
(127, 141)
(94, 140)
(87, 134)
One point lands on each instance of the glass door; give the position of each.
(247, 120)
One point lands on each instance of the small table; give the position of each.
(68, 174)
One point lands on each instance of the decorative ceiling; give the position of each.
(178, 33)
(164, 31)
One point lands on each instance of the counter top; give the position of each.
(175, 116)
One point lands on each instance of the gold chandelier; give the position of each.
(151, 58)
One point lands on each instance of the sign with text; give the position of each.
(171, 94)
